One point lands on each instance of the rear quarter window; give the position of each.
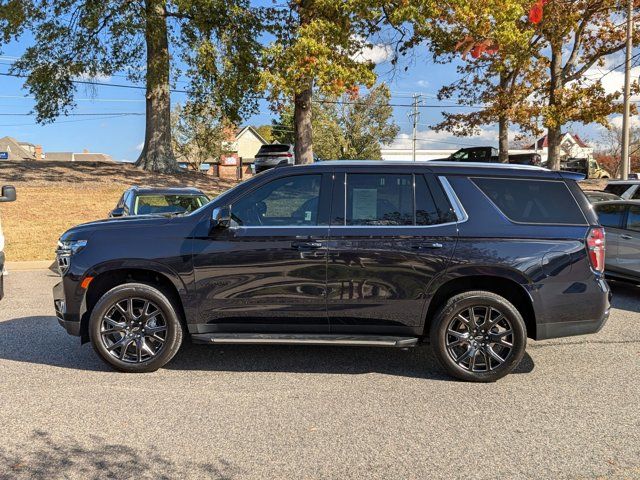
(532, 201)
(617, 188)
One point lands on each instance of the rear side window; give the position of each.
(610, 215)
(379, 199)
(532, 201)
(617, 188)
(633, 220)
(274, 149)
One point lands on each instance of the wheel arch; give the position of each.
(505, 286)
(106, 277)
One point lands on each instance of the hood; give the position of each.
(84, 230)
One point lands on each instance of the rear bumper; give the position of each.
(600, 308)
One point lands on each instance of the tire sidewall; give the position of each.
(137, 290)
(461, 302)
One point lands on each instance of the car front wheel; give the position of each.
(135, 328)
(478, 336)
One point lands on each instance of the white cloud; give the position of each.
(422, 83)
(612, 80)
(430, 139)
(375, 54)
(102, 78)
(617, 121)
(140, 146)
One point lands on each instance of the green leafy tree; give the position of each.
(212, 42)
(199, 134)
(317, 47)
(348, 129)
(266, 132)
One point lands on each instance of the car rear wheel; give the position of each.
(478, 336)
(135, 328)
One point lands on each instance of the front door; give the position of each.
(390, 235)
(267, 272)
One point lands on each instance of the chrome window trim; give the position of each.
(456, 204)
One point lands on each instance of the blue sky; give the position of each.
(122, 136)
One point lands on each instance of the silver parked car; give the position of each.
(621, 220)
(274, 155)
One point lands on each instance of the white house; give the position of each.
(571, 146)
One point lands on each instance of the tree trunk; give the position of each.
(157, 153)
(302, 125)
(554, 130)
(503, 126)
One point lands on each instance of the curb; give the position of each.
(29, 265)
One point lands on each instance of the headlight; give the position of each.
(64, 252)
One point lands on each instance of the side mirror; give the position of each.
(116, 212)
(8, 194)
(220, 217)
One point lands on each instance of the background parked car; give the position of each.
(598, 196)
(621, 220)
(490, 155)
(627, 189)
(274, 155)
(8, 195)
(149, 201)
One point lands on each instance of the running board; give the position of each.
(306, 339)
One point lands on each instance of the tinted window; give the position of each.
(287, 201)
(379, 199)
(273, 149)
(633, 220)
(616, 188)
(636, 194)
(532, 201)
(432, 207)
(610, 215)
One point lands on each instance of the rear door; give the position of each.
(628, 260)
(390, 235)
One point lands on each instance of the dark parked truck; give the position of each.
(585, 166)
(8, 194)
(490, 155)
(473, 259)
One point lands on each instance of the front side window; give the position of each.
(379, 199)
(610, 215)
(288, 201)
(633, 220)
(532, 201)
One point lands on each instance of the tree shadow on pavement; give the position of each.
(40, 340)
(45, 457)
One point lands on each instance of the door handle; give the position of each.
(626, 237)
(427, 246)
(306, 245)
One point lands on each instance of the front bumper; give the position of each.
(68, 309)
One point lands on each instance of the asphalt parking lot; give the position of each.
(570, 410)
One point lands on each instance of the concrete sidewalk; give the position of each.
(29, 265)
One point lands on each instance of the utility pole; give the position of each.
(414, 115)
(627, 92)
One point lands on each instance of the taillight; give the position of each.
(596, 248)
(288, 155)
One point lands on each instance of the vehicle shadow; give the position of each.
(626, 296)
(42, 456)
(40, 340)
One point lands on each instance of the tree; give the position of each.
(348, 129)
(266, 132)
(215, 42)
(610, 154)
(579, 34)
(316, 48)
(199, 135)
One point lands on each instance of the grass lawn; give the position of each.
(54, 196)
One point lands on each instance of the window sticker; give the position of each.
(365, 201)
(307, 216)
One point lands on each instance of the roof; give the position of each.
(16, 151)
(59, 156)
(241, 131)
(430, 163)
(624, 182)
(618, 202)
(92, 157)
(543, 142)
(168, 190)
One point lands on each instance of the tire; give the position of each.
(474, 362)
(142, 332)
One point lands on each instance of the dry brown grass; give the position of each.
(54, 196)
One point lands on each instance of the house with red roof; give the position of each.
(571, 146)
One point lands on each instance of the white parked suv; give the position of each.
(8, 195)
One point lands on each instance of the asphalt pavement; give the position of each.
(285, 412)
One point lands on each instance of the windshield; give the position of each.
(174, 204)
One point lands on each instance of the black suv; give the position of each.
(474, 258)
